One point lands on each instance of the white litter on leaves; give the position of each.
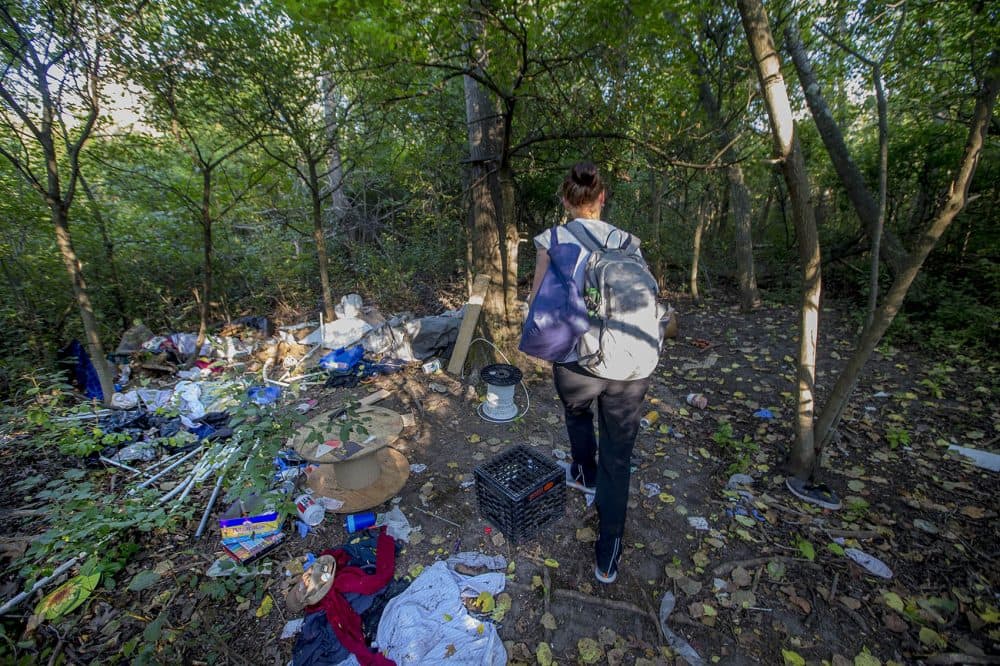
(329, 504)
(650, 489)
(677, 643)
(418, 468)
(428, 623)
(983, 459)
(737, 480)
(872, 564)
(698, 523)
(292, 627)
(397, 525)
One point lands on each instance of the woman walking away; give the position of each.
(599, 463)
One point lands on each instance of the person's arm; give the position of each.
(541, 265)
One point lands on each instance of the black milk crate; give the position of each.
(520, 491)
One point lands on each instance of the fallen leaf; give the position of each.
(475, 438)
(590, 651)
(866, 658)
(143, 580)
(893, 601)
(449, 650)
(543, 653)
(974, 512)
(792, 658)
(586, 535)
(265, 606)
(549, 621)
(551, 563)
(931, 638)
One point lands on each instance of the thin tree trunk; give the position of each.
(109, 255)
(335, 177)
(789, 152)
(739, 198)
(883, 185)
(90, 328)
(958, 196)
(206, 279)
(696, 251)
(319, 238)
(858, 193)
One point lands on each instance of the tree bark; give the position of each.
(206, 277)
(699, 229)
(789, 153)
(90, 328)
(109, 255)
(319, 238)
(857, 190)
(335, 176)
(958, 196)
(489, 234)
(739, 198)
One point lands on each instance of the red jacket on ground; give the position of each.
(345, 622)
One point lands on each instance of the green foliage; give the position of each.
(737, 451)
(897, 437)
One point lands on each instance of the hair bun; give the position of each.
(583, 175)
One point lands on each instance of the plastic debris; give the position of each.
(650, 489)
(882, 394)
(764, 414)
(292, 628)
(418, 468)
(698, 523)
(676, 643)
(697, 400)
(330, 504)
(983, 459)
(263, 395)
(872, 564)
(397, 525)
(737, 480)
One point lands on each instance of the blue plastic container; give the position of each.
(359, 521)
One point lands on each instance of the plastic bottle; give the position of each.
(697, 400)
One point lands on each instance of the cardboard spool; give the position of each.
(361, 472)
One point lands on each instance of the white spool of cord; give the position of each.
(501, 380)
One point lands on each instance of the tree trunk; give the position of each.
(739, 199)
(319, 238)
(696, 251)
(75, 270)
(883, 186)
(958, 196)
(206, 279)
(789, 152)
(335, 176)
(486, 228)
(109, 256)
(847, 170)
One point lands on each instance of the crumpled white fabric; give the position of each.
(187, 396)
(427, 624)
(339, 333)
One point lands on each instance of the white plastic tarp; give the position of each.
(427, 624)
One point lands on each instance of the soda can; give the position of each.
(432, 366)
(649, 419)
(309, 511)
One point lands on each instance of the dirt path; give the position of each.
(766, 576)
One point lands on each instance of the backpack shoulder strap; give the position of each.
(553, 237)
(588, 240)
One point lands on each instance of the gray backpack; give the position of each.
(625, 336)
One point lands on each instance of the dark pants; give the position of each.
(619, 407)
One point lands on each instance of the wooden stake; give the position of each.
(480, 285)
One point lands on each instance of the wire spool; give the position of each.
(501, 380)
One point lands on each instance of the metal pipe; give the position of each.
(188, 480)
(60, 570)
(165, 470)
(208, 509)
(109, 461)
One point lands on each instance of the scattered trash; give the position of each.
(264, 395)
(303, 529)
(437, 387)
(649, 419)
(432, 366)
(343, 360)
(872, 564)
(709, 362)
(310, 511)
(737, 480)
(418, 468)
(882, 394)
(359, 521)
(650, 489)
(698, 523)
(983, 459)
(292, 627)
(697, 400)
(304, 407)
(764, 414)
(396, 524)
(676, 643)
(559, 454)
(330, 504)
